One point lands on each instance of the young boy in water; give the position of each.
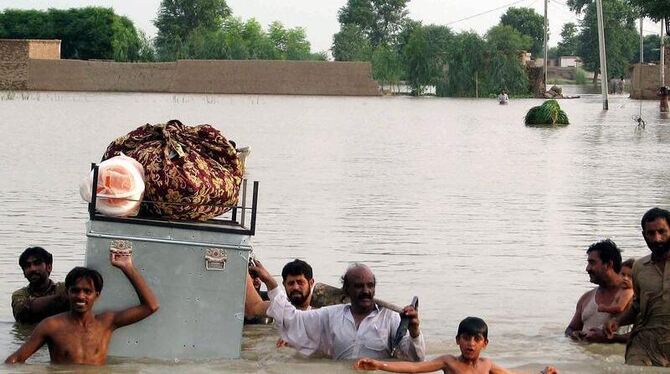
(624, 296)
(472, 338)
(79, 336)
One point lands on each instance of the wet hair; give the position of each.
(473, 326)
(607, 251)
(296, 268)
(345, 279)
(653, 214)
(37, 252)
(628, 263)
(80, 272)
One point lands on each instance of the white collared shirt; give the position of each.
(331, 330)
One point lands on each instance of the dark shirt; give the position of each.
(22, 301)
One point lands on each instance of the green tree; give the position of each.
(379, 20)
(350, 44)
(621, 36)
(651, 49)
(504, 68)
(386, 65)
(418, 63)
(527, 22)
(466, 64)
(176, 19)
(291, 44)
(569, 44)
(654, 9)
(85, 33)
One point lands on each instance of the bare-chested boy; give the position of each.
(79, 336)
(472, 338)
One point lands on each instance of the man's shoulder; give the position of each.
(21, 292)
(588, 294)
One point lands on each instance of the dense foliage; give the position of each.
(654, 9)
(621, 36)
(529, 23)
(85, 33)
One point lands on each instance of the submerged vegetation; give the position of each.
(549, 113)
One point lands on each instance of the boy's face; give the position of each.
(627, 277)
(82, 295)
(471, 345)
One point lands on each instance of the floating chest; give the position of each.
(198, 273)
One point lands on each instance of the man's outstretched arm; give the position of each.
(34, 342)
(148, 301)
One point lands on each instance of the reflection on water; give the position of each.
(452, 200)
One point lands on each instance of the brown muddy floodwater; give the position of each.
(452, 200)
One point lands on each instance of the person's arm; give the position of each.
(403, 366)
(574, 329)
(148, 301)
(254, 306)
(412, 347)
(628, 316)
(25, 308)
(34, 342)
(306, 331)
(495, 369)
(621, 303)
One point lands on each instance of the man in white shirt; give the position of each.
(348, 331)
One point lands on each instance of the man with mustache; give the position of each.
(649, 341)
(345, 331)
(42, 297)
(297, 279)
(603, 267)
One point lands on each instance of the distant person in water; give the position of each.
(79, 336)
(603, 267)
(472, 339)
(503, 98)
(42, 297)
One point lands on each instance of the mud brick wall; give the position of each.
(13, 65)
(44, 49)
(646, 80)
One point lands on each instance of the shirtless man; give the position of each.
(603, 267)
(79, 336)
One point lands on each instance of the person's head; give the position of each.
(358, 283)
(83, 288)
(472, 337)
(656, 231)
(298, 281)
(603, 261)
(627, 273)
(36, 264)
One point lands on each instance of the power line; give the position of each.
(489, 11)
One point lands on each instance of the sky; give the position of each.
(319, 17)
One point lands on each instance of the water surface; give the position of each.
(452, 200)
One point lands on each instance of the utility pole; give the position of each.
(663, 92)
(641, 42)
(545, 46)
(603, 54)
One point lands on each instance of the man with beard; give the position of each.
(345, 331)
(649, 341)
(79, 336)
(298, 282)
(603, 266)
(42, 297)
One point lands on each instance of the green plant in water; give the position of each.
(580, 76)
(549, 113)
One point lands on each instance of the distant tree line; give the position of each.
(85, 33)
(187, 29)
(457, 64)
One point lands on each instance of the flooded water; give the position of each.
(452, 200)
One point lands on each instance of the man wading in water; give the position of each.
(79, 336)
